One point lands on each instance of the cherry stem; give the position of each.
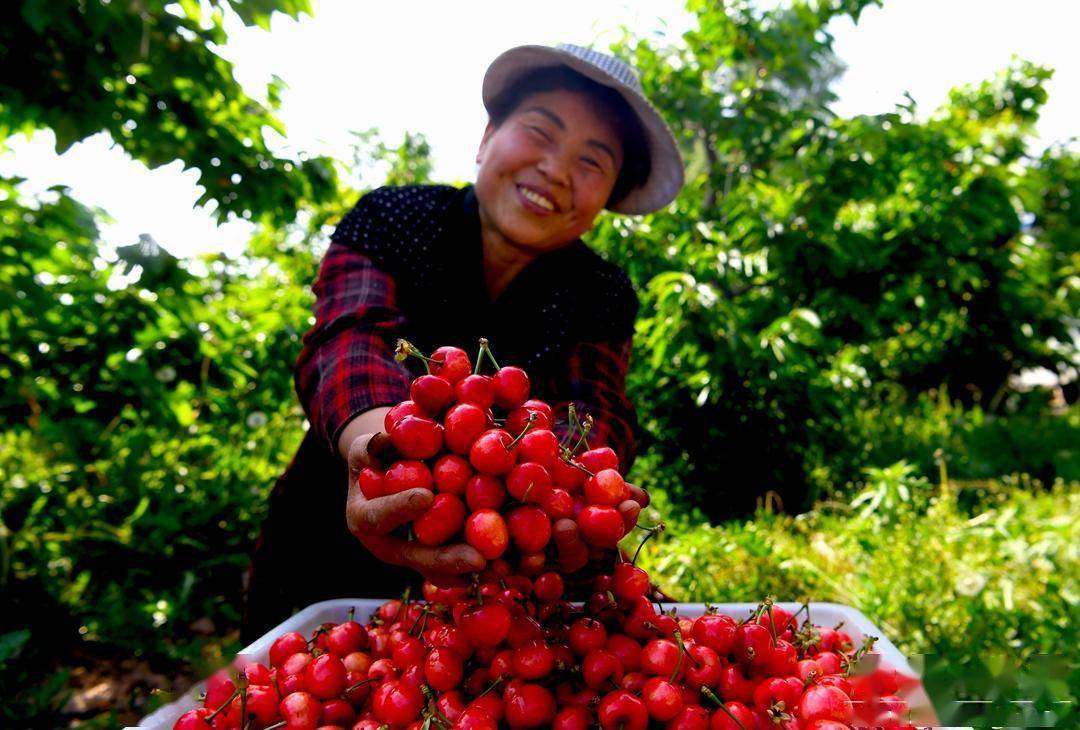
(406, 348)
(682, 650)
(568, 457)
(351, 613)
(709, 693)
(528, 424)
(493, 685)
(277, 725)
(654, 531)
(584, 440)
(218, 711)
(358, 685)
(772, 624)
(485, 349)
(572, 425)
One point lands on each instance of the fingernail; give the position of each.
(419, 499)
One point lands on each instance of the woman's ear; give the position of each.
(488, 131)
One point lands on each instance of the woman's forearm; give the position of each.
(367, 422)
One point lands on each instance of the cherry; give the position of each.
(596, 460)
(530, 528)
(540, 446)
(408, 652)
(778, 694)
(586, 635)
(285, 646)
(325, 676)
(567, 477)
(626, 650)
(574, 717)
(828, 661)
(371, 483)
(601, 526)
(599, 668)
(693, 717)
(402, 409)
(451, 704)
(451, 363)
(753, 644)
(776, 619)
(442, 520)
(397, 702)
(408, 474)
(529, 706)
(431, 393)
(511, 387)
(487, 625)
(338, 712)
(734, 685)
(301, 710)
(733, 715)
(549, 587)
(346, 638)
(622, 710)
(493, 453)
(484, 492)
(528, 482)
(703, 667)
(219, 687)
(476, 389)
(606, 487)
(416, 437)
(443, 669)
(357, 661)
(451, 473)
(783, 659)
(463, 424)
(533, 661)
(660, 657)
(662, 699)
(262, 702)
(475, 718)
(825, 703)
(486, 531)
(809, 670)
(558, 504)
(194, 720)
(518, 418)
(630, 581)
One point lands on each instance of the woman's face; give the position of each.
(546, 172)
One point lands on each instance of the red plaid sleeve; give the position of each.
(596, 375)
(347, 362)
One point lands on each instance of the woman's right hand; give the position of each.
(372, 520)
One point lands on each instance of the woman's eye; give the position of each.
(540, 131)
(591, 162)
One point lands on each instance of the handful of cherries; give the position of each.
(501, 476)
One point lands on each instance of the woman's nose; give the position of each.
(556, 168)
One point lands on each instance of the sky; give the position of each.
(350, 68)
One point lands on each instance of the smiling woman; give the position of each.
(569, 134)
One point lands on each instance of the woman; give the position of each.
(569, 134)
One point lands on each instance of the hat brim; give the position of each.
(666, 165)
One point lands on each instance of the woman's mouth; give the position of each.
(536, 199)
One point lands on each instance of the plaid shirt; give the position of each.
(407, 262)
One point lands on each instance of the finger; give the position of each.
(629, 510)
(360, 456)
(451, 560)
(381, 515)
(572, 551)
(639, 495)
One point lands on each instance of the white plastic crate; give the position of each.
(307, 620)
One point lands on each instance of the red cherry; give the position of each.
(486, 626)
(451, 363)
(486, 531)
(558, 504)
(301, 710)
(325, 677)
(529, 528)
(825, 703)
(585, 635)
(783, 661)
(565, 476)
(262, 702)
(599, 667)
(450, 474)
(194, 720)
(402, 409)
(431, 393)
(451, 704)
(549, 586)
(371, 483)
(443, 669)
(530, 565)
(397, 702)
(285, 646)
(704, 667)
(529, 706)
(626, 650)
(622, 710)
(596, 460)
(735, 685)
(601, 526)
(753, 644)
(476, 718)
(660, 657)
(533, 661)
(484, 492)
(574, 717)
(630, 581)
(442, 520)
(463, 424)
(338, 713)
(476, 389)
(408, 474)
(416, 437)
(528, 482)
(346, 638)
(733, 716)
(662, 699)
(518, 418)
(539, 446)
(492, 453)
(715, 631)
(606, 487)
(511, 387)
(691, 718)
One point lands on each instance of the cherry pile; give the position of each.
(499, 483)
(505, 648)
(513, 655)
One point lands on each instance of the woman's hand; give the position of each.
(372, 520)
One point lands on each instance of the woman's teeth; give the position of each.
(537, 199)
